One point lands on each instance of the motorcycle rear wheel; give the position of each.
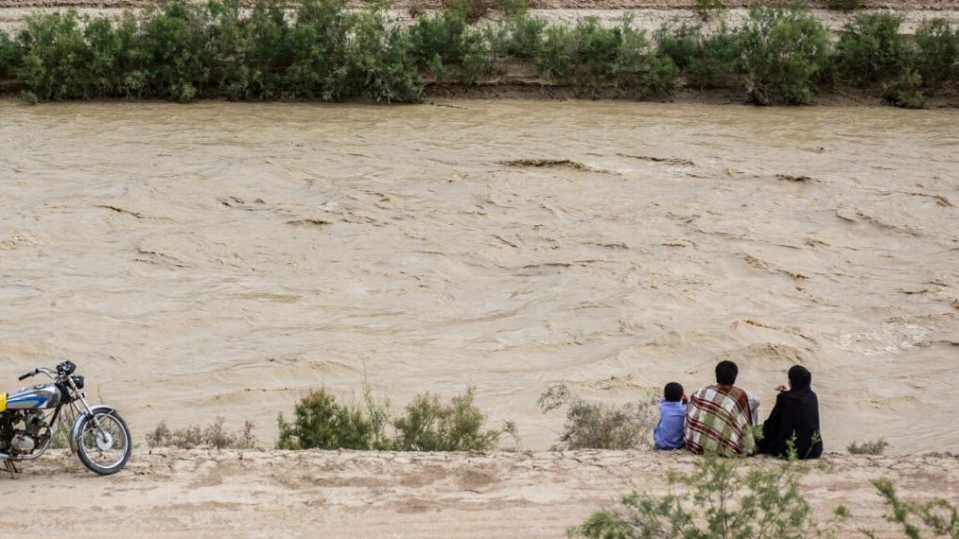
(104, 449)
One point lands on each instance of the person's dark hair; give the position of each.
(799, 377)
(726, 372)
(673, 392)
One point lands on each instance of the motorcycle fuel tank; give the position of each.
(27, 398)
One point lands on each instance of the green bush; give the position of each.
(555, 60)
(318, 45)
(523, 37)
(254, 54)
(446, 48)
(594, 425)
(56, 56)
(113, 49)
(937, 516)
(594, 59)
(11, 55)
(430, 425)
(784, 55)
(380, 65)
(723, 498)
(322, 423)
(871, 52)
(175, 51)
(705, 61)
(937, 47)
(182, 51)
(904, 90)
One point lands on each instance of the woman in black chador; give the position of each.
(795, 417)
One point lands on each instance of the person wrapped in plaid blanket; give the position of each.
(719, 417)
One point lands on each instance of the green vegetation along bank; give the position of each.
(321, 50)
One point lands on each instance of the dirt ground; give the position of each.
(899, 5)
(174, 494)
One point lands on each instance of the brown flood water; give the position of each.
(220, 259)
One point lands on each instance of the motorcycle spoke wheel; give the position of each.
(104, 449)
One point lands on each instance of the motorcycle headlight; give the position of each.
(67, 367)
(78, 381)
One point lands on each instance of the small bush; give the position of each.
(555, 59)
(378, 412)
(594, 425)
(784, 53)
(320, 422)
(875, 447)
(937, 51)
(470, 11)
(709, 9)
(513, 8)
(174, 50)
(523, 37)
(56, 56)
(722, 498)
(594, 59)
(845, 5)
(937, 516)
(318, 39)
(379, 61)
(870, 50)
(445, 47)
(11, 55)
(904, 90)
(705, 61)
(430, 425)
(215, 435)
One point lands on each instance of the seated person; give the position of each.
(719, 417)
(794, 419)
(668, 433)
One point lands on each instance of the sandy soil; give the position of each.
(646, 14)
(899, 5)
(212, 494)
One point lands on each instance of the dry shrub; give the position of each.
(596, 425)
(875, 447)
(215, 435)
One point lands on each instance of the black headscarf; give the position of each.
(794, 417)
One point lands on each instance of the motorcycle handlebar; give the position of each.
(29, 374)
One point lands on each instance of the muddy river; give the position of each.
(222, 259)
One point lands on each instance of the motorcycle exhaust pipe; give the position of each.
(35, 456)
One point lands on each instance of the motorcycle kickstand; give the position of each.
(12, 468)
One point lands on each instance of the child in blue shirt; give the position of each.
(668, 433)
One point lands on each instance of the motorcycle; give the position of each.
(31, 419)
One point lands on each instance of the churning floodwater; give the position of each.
(220, 259)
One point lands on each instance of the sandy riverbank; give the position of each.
(212, 494)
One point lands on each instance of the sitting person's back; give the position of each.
(793, 423)
(668, 433)
(719, 417)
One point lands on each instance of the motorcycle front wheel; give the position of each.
(103, 443)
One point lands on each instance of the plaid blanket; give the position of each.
(718, 421)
